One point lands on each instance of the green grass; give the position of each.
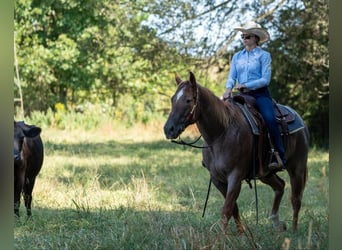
(129, 188)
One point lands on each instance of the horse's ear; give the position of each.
(178, 79)
(192, 79)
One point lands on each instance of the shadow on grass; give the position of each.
(128, 228)
(112, 147)
(161, 159)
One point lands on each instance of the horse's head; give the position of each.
(183, 109)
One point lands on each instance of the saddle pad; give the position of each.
(250, 118)
(294, 125)
(287, 114)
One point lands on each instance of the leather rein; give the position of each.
(180, 141)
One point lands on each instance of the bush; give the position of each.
(90, 116)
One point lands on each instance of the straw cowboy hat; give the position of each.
(254, 28)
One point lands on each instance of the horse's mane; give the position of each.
(225, 112)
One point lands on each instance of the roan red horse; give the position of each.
(228, 149)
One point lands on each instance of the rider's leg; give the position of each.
(265, 107)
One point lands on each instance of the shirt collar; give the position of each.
(257, 48)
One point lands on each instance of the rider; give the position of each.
(251, 71)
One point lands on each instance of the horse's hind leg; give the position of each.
(277, 185)
(297, 180)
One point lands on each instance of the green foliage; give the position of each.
(131, 189)
(91, 118)
(88, 116)
(300, 61)
(72, 52)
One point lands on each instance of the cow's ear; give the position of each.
(32, 132)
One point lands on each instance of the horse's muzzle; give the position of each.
(171, 131)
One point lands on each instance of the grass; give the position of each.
(129, 188)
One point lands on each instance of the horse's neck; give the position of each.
(209, 134)
(214, 118)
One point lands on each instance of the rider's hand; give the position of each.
(227, 94)
(241, 87)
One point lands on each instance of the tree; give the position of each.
(301, 64)
(205, 28)
(71, 52)
(50, 60)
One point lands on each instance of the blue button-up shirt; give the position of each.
(253, 69)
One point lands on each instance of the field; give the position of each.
(130, 188)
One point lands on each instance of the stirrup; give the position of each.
(276, 166)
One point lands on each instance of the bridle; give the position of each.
(192, 113)
(191, 118)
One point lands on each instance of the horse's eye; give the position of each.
(188, 100)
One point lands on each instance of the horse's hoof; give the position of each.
(280, 226)
(241, 230)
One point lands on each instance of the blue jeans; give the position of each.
(265, 107)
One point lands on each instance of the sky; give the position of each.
(214, 33)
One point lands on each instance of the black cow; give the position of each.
(28, 160)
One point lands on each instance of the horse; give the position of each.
(228, 149)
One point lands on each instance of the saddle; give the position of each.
(283, 115)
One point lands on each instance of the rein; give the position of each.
(190, 144)
(180, 141)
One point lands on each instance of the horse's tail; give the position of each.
(306, 144)
(307, 137)
(305, 178)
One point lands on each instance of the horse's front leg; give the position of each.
(237, 219)
(222, 187)
(230, 207)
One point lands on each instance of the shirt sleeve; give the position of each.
(232, 76)
(266, 70)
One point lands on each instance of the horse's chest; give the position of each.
(216, 166)
(220, 162)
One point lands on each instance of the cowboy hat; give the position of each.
(254, 28)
